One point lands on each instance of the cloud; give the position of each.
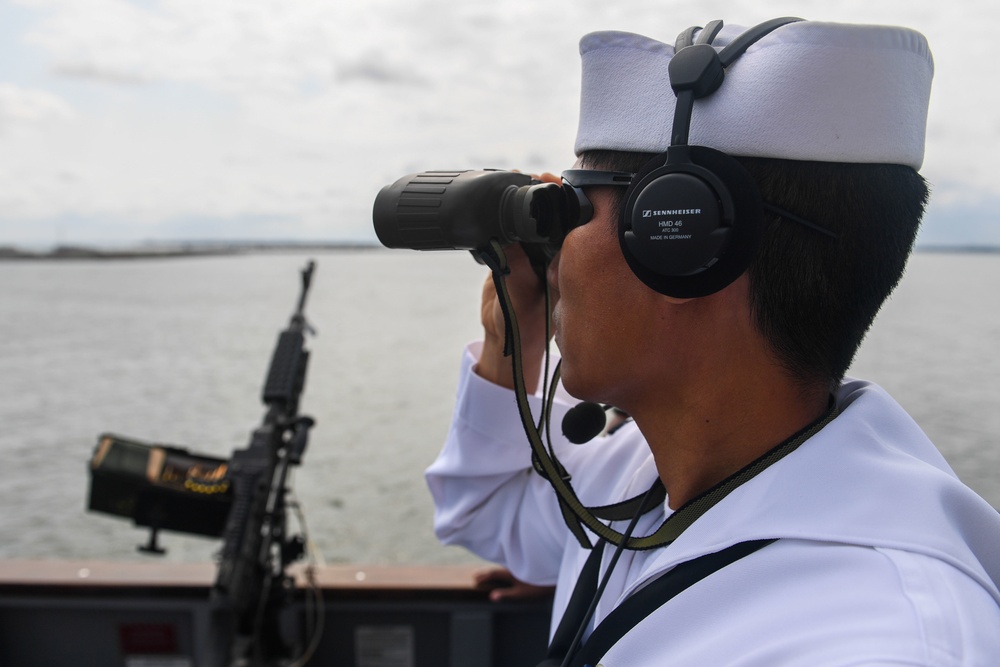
(299, 111)
(23, 105)
(93, 72)
(373, 68)
(239, 47)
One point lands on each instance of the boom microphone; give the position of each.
(584, 422)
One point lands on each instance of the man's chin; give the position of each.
(576, 386)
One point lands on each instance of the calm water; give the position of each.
(175, 351)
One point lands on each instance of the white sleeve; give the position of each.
(487, 497)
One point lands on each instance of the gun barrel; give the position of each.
(306, 282)
(286, 375)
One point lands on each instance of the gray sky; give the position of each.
(129, 120)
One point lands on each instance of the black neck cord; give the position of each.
(644, 506)
(576, 515)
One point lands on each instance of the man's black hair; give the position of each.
(813, 298)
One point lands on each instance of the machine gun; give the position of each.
(242, 500)
(255, 548)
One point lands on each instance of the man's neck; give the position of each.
(705, 436)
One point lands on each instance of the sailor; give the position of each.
(846, 539)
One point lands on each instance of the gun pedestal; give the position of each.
(152, 547)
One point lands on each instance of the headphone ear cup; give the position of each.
(689, 228)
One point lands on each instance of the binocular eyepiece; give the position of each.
(466, 210)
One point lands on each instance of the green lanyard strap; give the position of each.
(575, 513)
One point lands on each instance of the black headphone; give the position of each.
(693, 215)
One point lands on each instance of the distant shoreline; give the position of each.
(220, 248)
(985, 249)
(169, 250)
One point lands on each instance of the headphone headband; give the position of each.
(693, 215)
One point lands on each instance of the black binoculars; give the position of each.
(466, 210)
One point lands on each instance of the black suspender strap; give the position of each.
(576, 609)
(652, 596)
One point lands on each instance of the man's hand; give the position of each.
(503, 586)
(528, 296)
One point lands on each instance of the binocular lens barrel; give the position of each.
(465, 210)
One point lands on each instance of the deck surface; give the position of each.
(105, 574)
